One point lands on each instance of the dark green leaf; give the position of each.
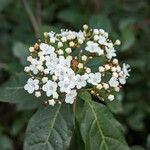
(99, 129)
(72, 16)
(50, 128)
(135, 121)
(4, 3)
(137, 147)
(5, 143)
(100, 21)
(13, 92)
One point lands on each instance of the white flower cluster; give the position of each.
(59, 66)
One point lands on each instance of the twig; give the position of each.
(39, 12)
(98, 5)
(31, 17)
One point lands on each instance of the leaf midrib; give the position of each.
(98, 125)
(51, 127)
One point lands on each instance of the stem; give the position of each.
(31, 17)
(39, 12)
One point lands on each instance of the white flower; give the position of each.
(52, 37)
(51, 62)
(99, 86)
(50, 88)
(80, 81)
(31, 85)
(27, 69)
(44, 79)
(70, 97)
(80, 65)
(111, 97)
(125, 74)
(113, 69)
(46, 71)
(101, 69)
(113, 82)
(66, 85)
(85, 26)
(29, 58)
(64, 62)
(101, 31)
(51, 102)
(107, 66)
(71, 44)
(68, 50)
(67, 80)
(96, 37)
(60, 44)
(51, 34)
(117, 42)
(41, 57)
(102, 40)
(60, 52)
(34, 64)
(80, 36)
(94, 78)
(126, 69)
(96, 31)
(106, 34)
(70, 35)
(105, 86)
(84, 57)
(52, 40)
(61, 70)
(115, 61)
(54, 78)
(63, 39)
(31, 49)
(38, 94)
(111, 52)
(93, 47)
(88, 70)
(55, 95)
(46, 49)
(115, 74)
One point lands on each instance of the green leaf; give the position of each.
(135, 121)
(13, 92)
(5, 143)
(100, 21)
(17, 126)
(99, 129)
(72, 16)
(137, 147)
(3, 4)
(20, 51)
(50, 128)
(76, 144)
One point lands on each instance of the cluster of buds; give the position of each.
(60, 66)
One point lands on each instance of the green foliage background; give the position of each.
(22, 22)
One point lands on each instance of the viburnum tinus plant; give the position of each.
(78, 68)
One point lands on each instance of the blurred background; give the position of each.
(22, 22)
